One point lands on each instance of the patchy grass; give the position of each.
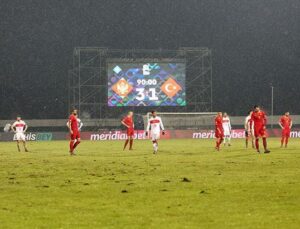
(187, 185)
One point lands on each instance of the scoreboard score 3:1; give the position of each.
(146, 84)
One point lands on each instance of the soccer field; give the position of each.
(187, 185)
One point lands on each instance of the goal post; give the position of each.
(185, 120)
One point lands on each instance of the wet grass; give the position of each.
(187, 185)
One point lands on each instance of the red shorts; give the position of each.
(130, 132)
(75, 135)
(260, 131)
(219, 133)
(286, 132)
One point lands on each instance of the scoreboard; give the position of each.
(146, 84)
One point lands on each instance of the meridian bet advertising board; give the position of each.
(141, 83)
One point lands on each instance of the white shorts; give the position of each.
(250, 132)
(155, 136)
(19, 137)
(227, 132)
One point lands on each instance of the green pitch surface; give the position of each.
(187, 185)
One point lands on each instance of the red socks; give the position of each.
(71, 146)
(257, 144)
(219, 142)
(130, 144)
(265, 143)
(126, 143)
(286, 141)
(76, 144)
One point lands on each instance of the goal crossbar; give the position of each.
(185, 120)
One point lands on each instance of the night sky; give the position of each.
(255, 43)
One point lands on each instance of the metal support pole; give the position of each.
(272, 106)
(79, 82)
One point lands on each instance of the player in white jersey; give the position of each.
(156, 125)
(20, 127)
(227, 129)
(249, 129)
(79, 123)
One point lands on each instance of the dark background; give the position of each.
(255, 43)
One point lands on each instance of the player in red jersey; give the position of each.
(129, 124)
(74, 132)
(286, 124)
(259, 119)
(219, 132)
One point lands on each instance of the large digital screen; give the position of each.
(146, 84)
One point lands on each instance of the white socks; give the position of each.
(155, 147)
(227, 140)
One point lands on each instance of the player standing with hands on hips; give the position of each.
(286, 124)
(219, 132)
(249, 129)
(20, 127)
(129, 124)
(74, 131)
(156, 125)
(260, 122)
(79, 123)
(227, 129)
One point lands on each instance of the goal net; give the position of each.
(185, 121)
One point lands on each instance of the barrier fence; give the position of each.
(90, 125)
(139, 134)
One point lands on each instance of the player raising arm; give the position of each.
(219, 131)
(20, 127)
(286, 124)
(74, 131)
(227, 129)
(156, 125)
(249, 129)
(129, 124)
(260, 121)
